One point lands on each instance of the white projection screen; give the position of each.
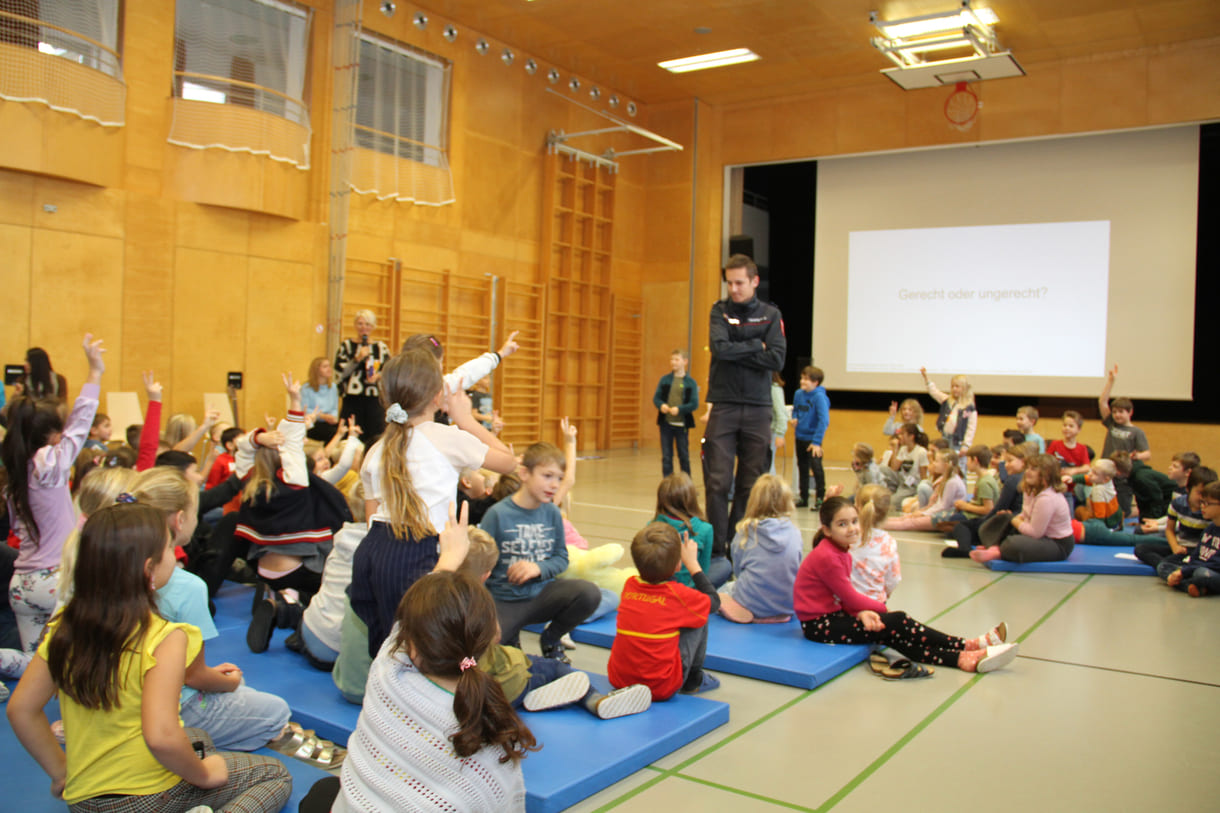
(1029, 266)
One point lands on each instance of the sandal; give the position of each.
(898, 670)
(304, 744)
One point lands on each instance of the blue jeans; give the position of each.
(719, 571)
(672, 436)
(314, 645)
(241, 720)
(1202, 577)
(608, 604)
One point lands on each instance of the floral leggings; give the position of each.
(903, 633)
(32, 597)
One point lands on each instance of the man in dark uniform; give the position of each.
(747, 341)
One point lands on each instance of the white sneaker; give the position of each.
(625, 701)
(997, 657)
(567, 642)
(568, 689)
(998, 634)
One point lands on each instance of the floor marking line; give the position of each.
(1120, 671)
(966, 598)
(741, 792)
(889, 753)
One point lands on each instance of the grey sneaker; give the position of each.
(622, 702)
(567, 689)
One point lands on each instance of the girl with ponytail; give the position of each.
(410, 477)
(463, 748)
(875, 571)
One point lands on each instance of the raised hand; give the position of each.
(454, 539)
(497, 423)
(510, 345)
(1112, 374)
(457, 404)
(211, 418)
(152, 387)
(353, 428)
(93, 352)
(568, 429)
(271, 439)
(893, 408)
(924, 372)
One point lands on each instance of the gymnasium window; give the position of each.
(82, 31)
(402, 102)
(250, 53)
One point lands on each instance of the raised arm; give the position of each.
(1103, 400)
(933, 390)
(210, 418)
(569, 461)
(292, 451)
(499, 457)
(53, 464)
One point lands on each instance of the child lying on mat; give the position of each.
(766, 556)
(1199, 574)
(662, 624)
(535, 683)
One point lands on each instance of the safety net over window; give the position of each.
(64, 54)
(240, 72)
(401, 129)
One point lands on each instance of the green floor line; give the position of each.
(664, 774)
(1121, 671)
(740, 792)
(876, 764)
(966, 598)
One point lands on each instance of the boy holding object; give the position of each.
(662, 625)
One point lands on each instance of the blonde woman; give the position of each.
(358, 364)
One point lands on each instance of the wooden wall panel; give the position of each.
(16, 198)
(78, 208)
(15, 247)
(211, 298)
(76, 288)
(280, 315)
(148, 291)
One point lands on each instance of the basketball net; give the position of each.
(962, 107)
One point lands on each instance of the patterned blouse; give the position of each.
(352, 378)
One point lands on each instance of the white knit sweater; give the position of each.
(400, 756)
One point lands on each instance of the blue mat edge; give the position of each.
(1112, 567)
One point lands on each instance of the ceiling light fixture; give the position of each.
(704, 61)
(963, 42)
(420, 20)
(450, 33)
(507, 56)
(531, 67)
(481, 47)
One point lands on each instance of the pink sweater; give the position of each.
(823, 585)
(49, 493)
(1046, 514)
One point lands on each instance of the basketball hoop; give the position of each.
(961, 107)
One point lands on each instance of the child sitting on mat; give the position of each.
(875, 571)
(118, 668)
(537, 684)
(1199, 574)
(1042, 532)
(436, 731)
(529, 531)
(947, 489)
(832, 611)
(662, 624)
(1185, 525)
(766, 555)
(678, 507)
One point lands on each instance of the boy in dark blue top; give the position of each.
(528, 530)
(811, 414)
(676, 399)
(1199, 575)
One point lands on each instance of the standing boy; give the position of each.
(811, 412)
(676, 399)
(1121, 435)
(528, 529)
(662, 624)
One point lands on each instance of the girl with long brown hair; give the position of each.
(464, 747)
(678, 506)
(118, 668)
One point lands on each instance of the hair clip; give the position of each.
(434, 341)
(125, 498)
(396, 414)
(467, 663)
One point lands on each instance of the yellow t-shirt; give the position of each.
(106, 749)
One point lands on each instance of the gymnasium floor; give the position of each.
(1113, 703)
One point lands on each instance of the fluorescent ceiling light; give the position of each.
(916, 26)
(704, 61)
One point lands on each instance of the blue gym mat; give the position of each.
(1083, 559)
(29, 790)
(565, 771)
(776, 653)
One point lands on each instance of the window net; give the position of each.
(401, 129)
(64, 54)
(240, 70)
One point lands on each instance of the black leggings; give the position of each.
(903, 633)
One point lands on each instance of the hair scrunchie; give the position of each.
(124, 499)
(467, 663)
(396, 414)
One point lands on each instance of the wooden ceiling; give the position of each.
(805, 45)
